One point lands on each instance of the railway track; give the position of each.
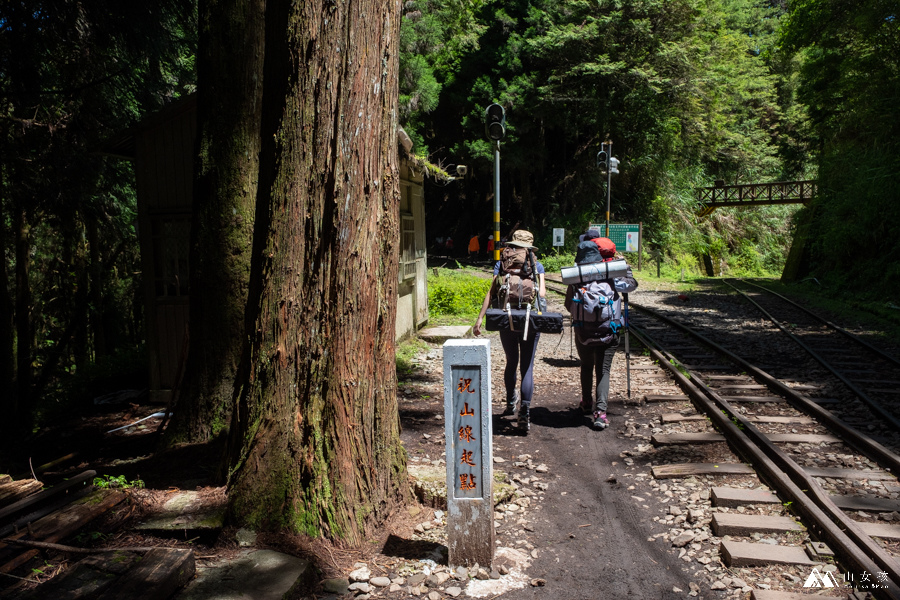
(795, 423)
(870, 375)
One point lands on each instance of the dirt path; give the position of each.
(586, 533)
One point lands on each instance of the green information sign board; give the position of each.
(627, 238)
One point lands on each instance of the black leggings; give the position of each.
(519, 353)
(596, 360)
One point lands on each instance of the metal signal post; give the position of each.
(608, 165)
(495, 129)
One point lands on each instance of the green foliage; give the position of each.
(848, 57)
(407, 352)
(456, 293)
(106, 482)
(689, 92)
(554, 262)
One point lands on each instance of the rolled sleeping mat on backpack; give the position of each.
(594, 271)
(498, 320)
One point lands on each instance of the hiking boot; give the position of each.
(524, 420)
(511, 405)
(585, 407)
(600, 421)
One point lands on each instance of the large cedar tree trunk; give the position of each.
(7, 339)
(229, 105)
(314, 447)
(24, 336)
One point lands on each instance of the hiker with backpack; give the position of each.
(596, 308)
(518, 282)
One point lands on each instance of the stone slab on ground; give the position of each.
(838, 473)
(760, 399)
(679, 418)
(686, 469)
(429, 484)
(672, 439)
(676, 439)
(745, 525)
(731, 497)
(777, 595)
(257, 574)
(748, 554)
(665, 398)
(184, 512)
(442, 333)
(865, 503)
(883, 530)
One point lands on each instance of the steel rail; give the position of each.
(855, 438)
(873, 405)
(831, 523)
(888, 357)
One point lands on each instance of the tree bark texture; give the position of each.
(7, 339)
(314, 447)
(229, 107)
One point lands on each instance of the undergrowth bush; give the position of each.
(458, 293)
(554, 262)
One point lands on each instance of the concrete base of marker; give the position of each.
(470, 512)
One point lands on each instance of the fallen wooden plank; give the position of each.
(38, 497)
(732, 497)
(65, 522)
(4, 479)
(686, 469)
(161, 573)
(747, 554)
(86, 579)
(744, 525)
(184, 513)
(11, 491)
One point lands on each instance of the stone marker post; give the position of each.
(470, 469)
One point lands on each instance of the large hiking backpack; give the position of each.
(515, 285)
(596, 312)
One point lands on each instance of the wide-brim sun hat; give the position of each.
(522, 239)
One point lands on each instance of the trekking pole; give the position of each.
(627, 351)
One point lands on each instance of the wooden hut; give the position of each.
(162, 149)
